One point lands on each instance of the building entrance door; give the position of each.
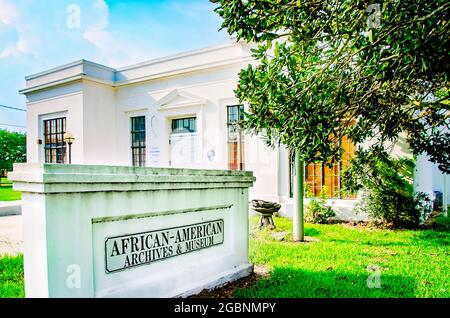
(182, 150)
(183, 143)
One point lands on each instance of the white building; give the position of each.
(174, 111)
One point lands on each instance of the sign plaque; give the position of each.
(131, 250)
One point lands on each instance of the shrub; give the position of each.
(317, 210)
(387, 195)
(394, 208)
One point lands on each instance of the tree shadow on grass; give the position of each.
(433, 237)
(420, 237)
(296, 283)
(286, 235)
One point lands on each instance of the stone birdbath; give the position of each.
(265, 209)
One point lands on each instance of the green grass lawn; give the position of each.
(411, 263)
(4, 181)
(7, 193)
(11, 277)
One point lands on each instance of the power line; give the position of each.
(12, 125)
(14, 108)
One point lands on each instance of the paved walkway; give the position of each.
(11, 240)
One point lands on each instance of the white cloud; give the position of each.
(13, 50)
(98, 34)
(103, 11)
(10, 18)
(115, 48)
(7, 52)
(8, 12)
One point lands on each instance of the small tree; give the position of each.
(333, 68)
(330, 68)
(12, 149)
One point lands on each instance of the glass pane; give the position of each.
(318, 175)
(138, 140)
(232, 156)
(54, 145)
(232, 114)
(183, 125)
(241, 112)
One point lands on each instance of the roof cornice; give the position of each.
(180, 71)
(192, 61)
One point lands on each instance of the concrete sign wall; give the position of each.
(107, 231)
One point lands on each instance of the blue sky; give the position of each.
(36, 35)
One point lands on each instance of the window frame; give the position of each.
(189, 128)
(337, 168)
(232, 123)
(138, 134)
(59, 144)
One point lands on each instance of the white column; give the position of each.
(297, 215)
(444, 194)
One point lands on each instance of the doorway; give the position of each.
(183, 142)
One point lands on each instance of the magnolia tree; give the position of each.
(329, 69)
(334, 68)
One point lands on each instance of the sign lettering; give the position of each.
(127, 251)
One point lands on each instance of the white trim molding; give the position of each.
(186, 99)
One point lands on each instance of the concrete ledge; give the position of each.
(344, 209)
(209, 283)
(57, 178)
(226, 278)
(10, 208)
(192, 226)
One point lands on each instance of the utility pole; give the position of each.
(298, 215)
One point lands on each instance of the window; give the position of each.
(291, 174)
(235, 137)
(184, 125)
(318, 175)
(138, 141)
(54, 145)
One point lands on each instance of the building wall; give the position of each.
(99, 124)
(65, 101)
(265, 164)
(98, 103)
(426, 176)
(215, 90)
(210, 93)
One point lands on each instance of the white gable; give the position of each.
(179, 98)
